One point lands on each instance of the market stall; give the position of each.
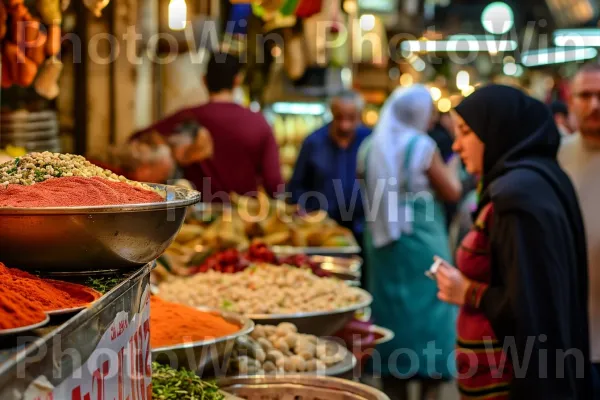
(82, 319)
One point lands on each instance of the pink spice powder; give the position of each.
(74, 192)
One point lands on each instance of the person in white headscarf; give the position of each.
(405, 180)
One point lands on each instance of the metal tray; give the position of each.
(87, 238)
(24, 329)
(48, 351)
(207, 356)
(341, 369)
(348, 269)
(353, 249)
(298, 387)
(318, 323)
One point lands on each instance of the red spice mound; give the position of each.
(17, 311)
(173, 323)
(73, 192)
(46, 294)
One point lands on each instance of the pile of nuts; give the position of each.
(37, 167)
(281, 349)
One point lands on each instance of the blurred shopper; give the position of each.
(441, 134)
(325, 172)
(580, 157)
(404, 172)
(244, 152)
(521, 280)
(560, 112)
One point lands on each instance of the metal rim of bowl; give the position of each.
(27, 328)
(311, 381)
(188, 197)
(367, 300)
(247, 326)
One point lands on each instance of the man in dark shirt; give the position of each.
(325, 172)
(244, 152)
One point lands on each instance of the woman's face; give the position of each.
(467, 145)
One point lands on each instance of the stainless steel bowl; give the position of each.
(71, 239)
(318, 323)
(207, 356)
(298, 387)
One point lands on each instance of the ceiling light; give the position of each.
(458, 45)
(577, 37)
(557, 55)
(497, 18)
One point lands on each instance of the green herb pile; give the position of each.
(171, 384)
(105, 283)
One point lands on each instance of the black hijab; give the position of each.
(538, 248)
(513, 126)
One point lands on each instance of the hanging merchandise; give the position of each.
(294, 60)
(50, 11)
(3, 17)
(308, 8)
(96, 6)
(28, 43)
(46, 83)
(288, 7)
(237, 23)
(326, 37)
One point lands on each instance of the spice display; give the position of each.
(17, 311)
(176, 323)
(75, 191)
(282, 225)
(37, 167)
(261, 289)
(172, 384)
(49, 295)
(233, 261)
(281, 349)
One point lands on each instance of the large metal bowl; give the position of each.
(298, 387)
(209, 356)
(318, 323)
(71, 239)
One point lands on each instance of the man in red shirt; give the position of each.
(244, 152)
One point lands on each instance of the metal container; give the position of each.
(57, 351)
(346, 251)
(207, 356)
(72, 239)
(298, 387)
(318, 323)
(35, 131)
(348, 269)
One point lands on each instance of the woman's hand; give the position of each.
(452, 284)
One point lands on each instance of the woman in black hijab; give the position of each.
(521, 280)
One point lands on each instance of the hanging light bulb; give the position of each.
(177, 15)
(462, 80)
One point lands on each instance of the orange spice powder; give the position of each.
(46, 294)
(173, 323)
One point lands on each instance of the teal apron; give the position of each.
(405, 300)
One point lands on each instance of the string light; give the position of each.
(444, 105)
(462, 80)
(177, 15)
(406, 80)
(436, 93)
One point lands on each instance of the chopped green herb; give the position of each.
(171, 384)
(104, 284)
(227, 305)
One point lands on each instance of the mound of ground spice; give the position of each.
(46, 294)
(75, 192)
(172, 323)
(17, 311)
